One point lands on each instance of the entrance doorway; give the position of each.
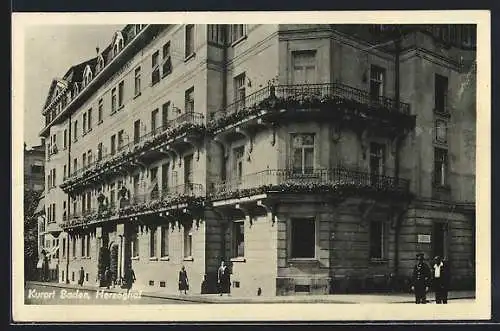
(439, 239)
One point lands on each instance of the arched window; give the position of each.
(87, 75)
(118, 43)
(76, 89)
(100, 63)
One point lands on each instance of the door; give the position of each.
(439, 239)
(188, 174)
(376, 163)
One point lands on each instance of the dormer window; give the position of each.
(87, 76)
(76, 89)
(118, 44)
(138, 28)
(100, 63)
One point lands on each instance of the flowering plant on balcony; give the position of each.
(155, 205)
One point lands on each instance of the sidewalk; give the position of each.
(333, 298)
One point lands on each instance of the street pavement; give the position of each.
(55, 293)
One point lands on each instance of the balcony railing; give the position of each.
(311, 95)
(173, 128)
(320, 180)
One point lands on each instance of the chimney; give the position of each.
(97, 50)
(42, 141)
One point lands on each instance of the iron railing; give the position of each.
(335, 176)
(312, 92)
(166, 193)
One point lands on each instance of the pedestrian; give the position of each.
(129, 278)
(440, 280)
(223, 279)
(183, 281)
(107, 277)
(204, 285)
(420, 280)
(81, 277)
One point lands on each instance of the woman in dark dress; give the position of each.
(129, 278)
(183, 281)
(223, 279)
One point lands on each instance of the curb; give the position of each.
(222, 301)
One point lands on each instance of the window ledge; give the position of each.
(137, 95)
(189, 57)
(165, 74)
(445, 112)
(113, 112)
(120, 107)
(153, 259)
(238, 259)
(188, 258)
(84, 133)
(379, 261)
(236, 42)
(442, 187)
(135, 258)
(100, 122)
(165, 258)
(90, 129)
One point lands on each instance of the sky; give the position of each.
(49, 52)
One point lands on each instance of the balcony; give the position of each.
(337, 180)
(181, 196)
(145, 148)
(88, 216)
(330, 101)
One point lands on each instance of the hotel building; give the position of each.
(311, 158)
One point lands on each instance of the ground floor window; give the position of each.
(188, 241)
(134, 241)
(303, 238)
(164, 241)
(238, 238)
(152, 242)
(376, 240)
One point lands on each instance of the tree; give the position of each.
(31, 200)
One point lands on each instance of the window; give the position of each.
(89, 201)
(217, 33)
(440, 166)
(65, 172)
(137, 131)
(377, 76)
(238, 153)
(75, 164)
(376, 240)
(84, 204)
(188, 172)
(304, 67)
(188, 242)
(137, 81)
(135, 244)
(113, 144)
(74, 247)
(89, 157)
(84, 160)
(155, 74)
(99, 152)
(83, 242)
(99, 111)
(64, 248)
(189, 50)
(164, 241)
(112, 194)
(120, 94)
(53, 212)
(152, 242)
(36, 169)
(136, 185)
(164, 177)
(238, 239)
(441, 93)
(113, 100)
(154, 120)
(89, 117)
(84, 123)
(377, 158)
(303, 153)
(164, 114)
(237, 32)
(75, 131)
(65, 139)
(54, 182)
(120, 139)
(87, 253)
(303, 238)
(239, 91)
(441, 131)
(167, 62)
(189, 100)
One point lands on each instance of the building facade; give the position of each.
(310, 158)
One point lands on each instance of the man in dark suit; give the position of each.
(440, 280)
(81, 277)
(420, 279)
